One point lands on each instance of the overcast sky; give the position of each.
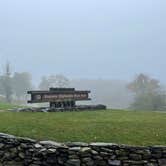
(109, 39)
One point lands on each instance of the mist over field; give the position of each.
(98, 45)
(112, 93)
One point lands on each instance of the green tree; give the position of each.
(143, 84)
(148, 93)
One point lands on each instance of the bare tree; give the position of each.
(21, 83)
(59, 81)
(6, 83)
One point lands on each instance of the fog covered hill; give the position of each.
(112, 93)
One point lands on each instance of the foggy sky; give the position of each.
(109, 39)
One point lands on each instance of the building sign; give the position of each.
(64, 96)
(55, 95)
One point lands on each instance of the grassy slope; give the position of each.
(128, 127)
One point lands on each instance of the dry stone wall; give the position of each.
(52, 109)
(16, 151)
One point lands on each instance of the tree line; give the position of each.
(14, 86)
(148, 93)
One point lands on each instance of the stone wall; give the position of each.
(52, 109)
(16, 151)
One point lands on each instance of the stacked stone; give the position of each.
(15, 151)
(48, 109)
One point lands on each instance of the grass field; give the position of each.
(6, 106)
(127, 127)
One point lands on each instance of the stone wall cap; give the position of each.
(158, 147)
(103, 144)
(53, 143)
(21, 139)
(3, 135)
(25, 140)
(133, 147)
(75, 144)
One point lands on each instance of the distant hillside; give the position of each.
(112, 93)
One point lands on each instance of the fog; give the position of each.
(96, 40)
(112, 93)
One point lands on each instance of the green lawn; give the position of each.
(127, 127)
(6, 106)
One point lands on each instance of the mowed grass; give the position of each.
(124, 127)
(6, 106)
